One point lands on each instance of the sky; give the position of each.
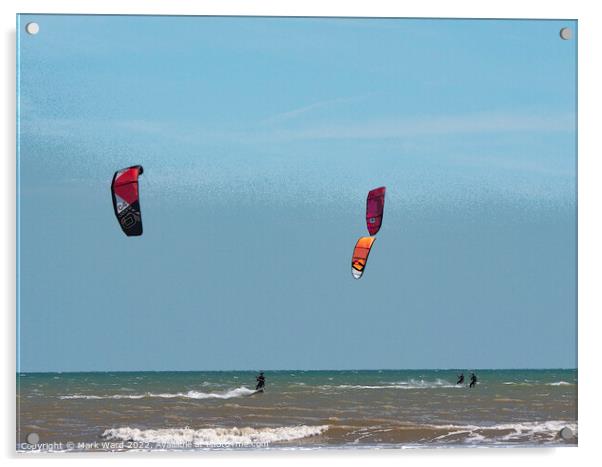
(260, 139)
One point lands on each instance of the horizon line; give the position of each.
(299, 370)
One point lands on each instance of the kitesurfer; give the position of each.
(460, 379)
(260, 381)
(473, 380)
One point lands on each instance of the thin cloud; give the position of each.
(429, 126)
(294, 113)
(369, 129)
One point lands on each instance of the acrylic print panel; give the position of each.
(194, 209)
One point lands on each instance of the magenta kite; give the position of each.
(375, 205)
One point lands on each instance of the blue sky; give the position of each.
(260, 138)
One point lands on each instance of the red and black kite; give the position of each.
(126, 200)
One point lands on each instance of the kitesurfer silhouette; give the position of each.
(473, 380)
(260, 381)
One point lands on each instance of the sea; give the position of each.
(377, 409)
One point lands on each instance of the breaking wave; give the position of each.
(547, 431)
(411, 384)
(536, 383)
(560, 383)
(238, 392)
(213, 437)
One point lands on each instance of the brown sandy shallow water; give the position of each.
(299, 409)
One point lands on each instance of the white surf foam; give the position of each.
(238, 392)
(83, 396)
(411, 384)
(531, 383)
(507, 432)
(214, 437)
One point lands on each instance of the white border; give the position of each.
(590, 212)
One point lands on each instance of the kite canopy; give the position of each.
(126, 200)
(360, 256)
(375, 205)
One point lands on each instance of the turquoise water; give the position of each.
(319, 409)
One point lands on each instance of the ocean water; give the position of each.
(298, 410)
